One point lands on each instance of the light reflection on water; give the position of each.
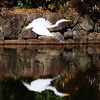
(79, 64)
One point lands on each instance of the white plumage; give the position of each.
(41, 20)
(41, 26)
(40, 85)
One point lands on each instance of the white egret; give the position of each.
(41, 26)
(41, 85)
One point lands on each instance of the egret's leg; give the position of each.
(59, 39)
(59, 76)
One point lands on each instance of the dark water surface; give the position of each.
(79, 65)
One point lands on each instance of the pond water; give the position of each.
(77, 65)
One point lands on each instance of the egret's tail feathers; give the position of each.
(24, 83)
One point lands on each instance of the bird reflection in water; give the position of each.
(41, 85)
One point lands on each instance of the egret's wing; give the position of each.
(47, 23)
(34, 86)
(41, 20)
(41, 82)
(41, 30)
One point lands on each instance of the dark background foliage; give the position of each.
(90, 7)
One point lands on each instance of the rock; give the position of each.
(94, 37)
(10, 42)
(87, 24)
(75, 19)
(34, 41)
(84, 38)
(79, 35)
(68, 33)
(1, 29)
(27, 34)
(2, 21)
(13, 26)
(97, 26)
(1, 33)
(69, 41)
(1, 36)
(8, 30)
(1, 42)
(76, 35)
(15, 42)
(21, 42)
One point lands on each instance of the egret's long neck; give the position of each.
(57, 23)
(54, 90)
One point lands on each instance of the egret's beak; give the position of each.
(69, 20)
(66, 94)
